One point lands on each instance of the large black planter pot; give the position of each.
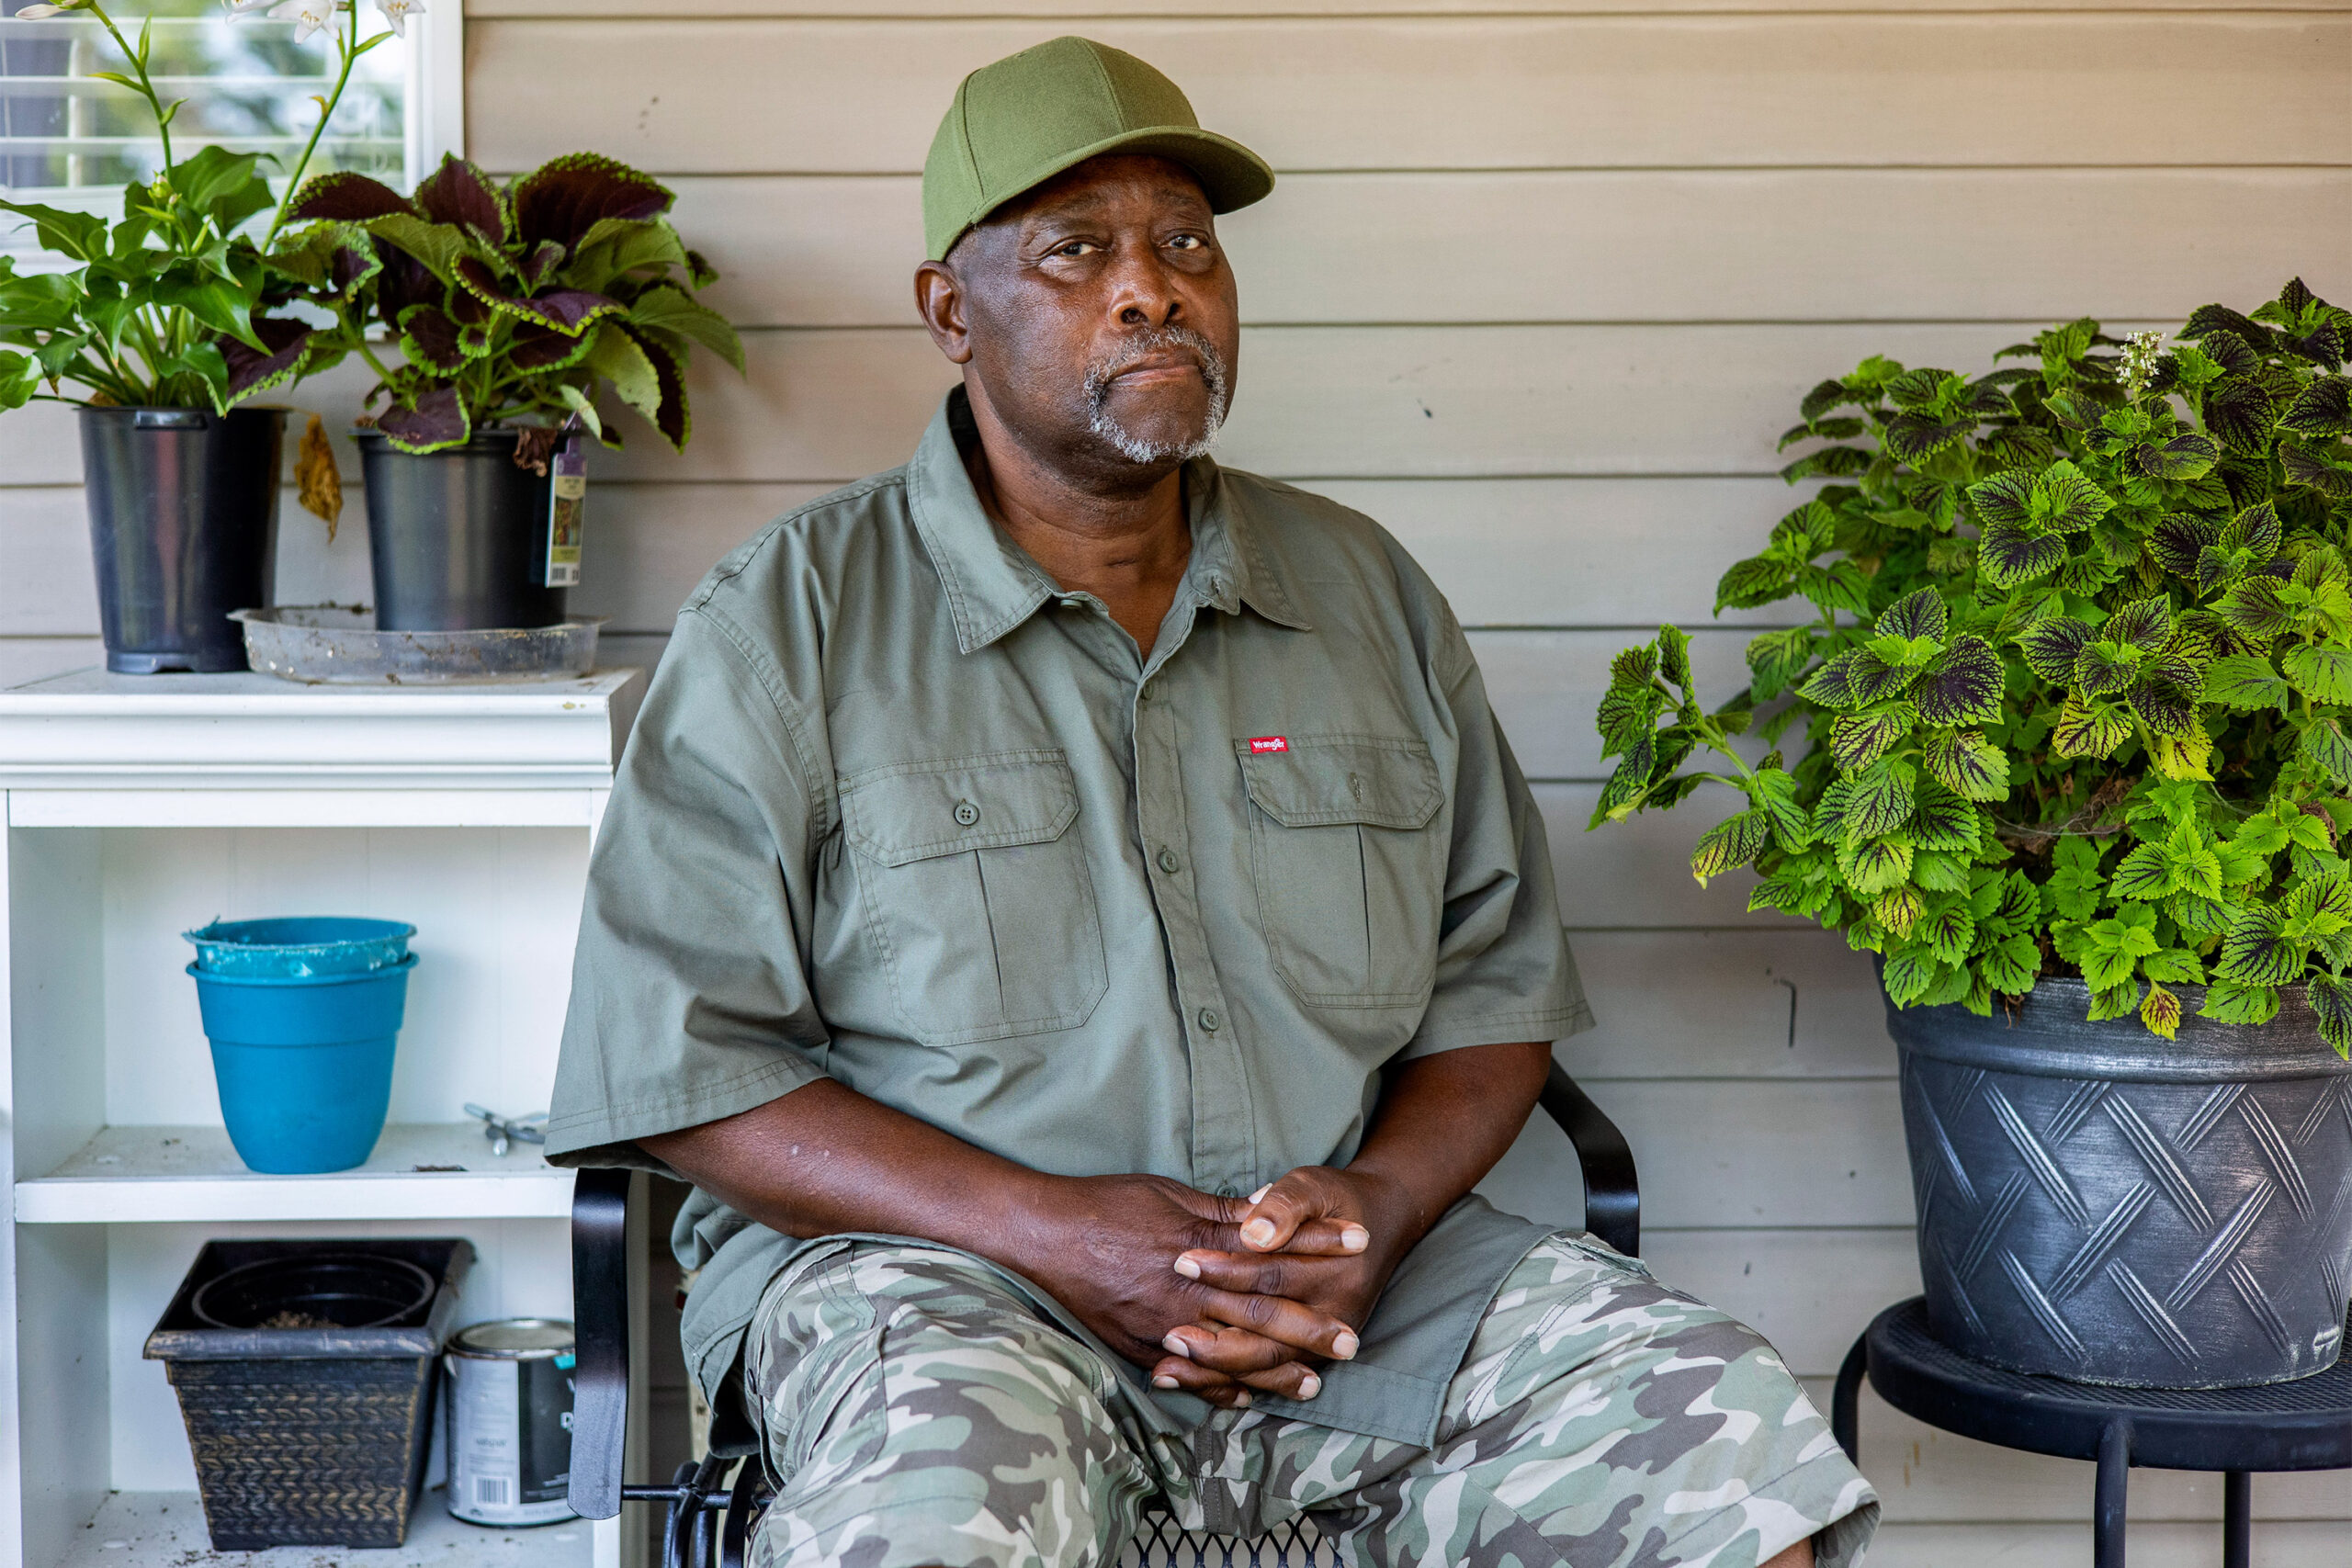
(2100, 1204)
(183, 529)
(458, 539)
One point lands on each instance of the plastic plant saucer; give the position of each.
(339, 645)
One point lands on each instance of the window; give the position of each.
(69, 141)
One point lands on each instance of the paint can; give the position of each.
(509, 1426)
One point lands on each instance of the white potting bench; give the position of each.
(137, 807)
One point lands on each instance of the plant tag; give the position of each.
(1261, 743)
(567, 509)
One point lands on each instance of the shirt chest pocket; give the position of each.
(1351, 871)
(973, 878)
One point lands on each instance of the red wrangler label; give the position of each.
(1268, 743)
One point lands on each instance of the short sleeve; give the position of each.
(690, 996)
(1504, 972)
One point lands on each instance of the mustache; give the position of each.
(1152, 343)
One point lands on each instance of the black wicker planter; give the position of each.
(2100, 1204)
(310, 1436)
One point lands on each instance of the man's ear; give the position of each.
(939, 298)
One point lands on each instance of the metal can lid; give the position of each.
(514, 1339)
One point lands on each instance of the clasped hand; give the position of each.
(1219, 1296)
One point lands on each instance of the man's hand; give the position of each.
(1323, 1239)
(1112, 1250)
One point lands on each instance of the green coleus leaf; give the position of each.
(2256, 952)
(2182, 456)
(1829, 462)
(2064, 500)
(2088, 730)
(1880, 799)
(2198, 917)
(1872, 868)
(1941, 819)
(1775, 658)
(1774, 794)
(1673, 657)
(2167, 708)
(2316, 468)
(2005, 498)
(1856, 741)
(1627, 715)
(1633, 666)
(2179, 541)
(2184, 861)
(1760, 579)
(2325, 744)
(1963, 760)
(1909, 975)
(1914, 437)
(1899, 908)
(1937, 872)
(1916, 616)
(1628, 784)
(2239, 412)
(2322, 409)
(2105, 667)
(1841, 586)
(2246, 681)
(2161, 1013)
(2176, 965)
(2114, 1002)
(2321, 673)
(2146, 624)
(2330, 1004)
(1730, 843)
(1963, 686)
(2052, 645)
(1857, 678)
(2011, 966)
(2254, 609)
(2006, 557)
(2256, 531)
(1948, 929)
(2227, 1003)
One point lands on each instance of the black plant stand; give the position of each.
(2305, 1425)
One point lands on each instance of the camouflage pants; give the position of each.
(918, 1411)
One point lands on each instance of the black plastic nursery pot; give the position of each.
(2100, 1204)
(458, 539)
(183, 529)
(305, 1376)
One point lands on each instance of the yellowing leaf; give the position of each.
(2161, 1013)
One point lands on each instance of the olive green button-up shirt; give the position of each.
(901, 811)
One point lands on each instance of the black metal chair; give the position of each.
(709, 1513)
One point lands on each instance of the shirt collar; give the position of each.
(992, 585)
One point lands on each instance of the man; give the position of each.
(1070, 911)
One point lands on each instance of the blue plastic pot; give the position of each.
(304, 1063)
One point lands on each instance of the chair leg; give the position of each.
(2109, 1501)
(1845, 1401)
(2237, 1519)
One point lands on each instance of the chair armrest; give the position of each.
(600, 1328)
(1612, 1195)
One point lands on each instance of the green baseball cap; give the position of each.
(1016, 124)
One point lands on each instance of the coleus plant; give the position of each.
(2076, 685)
(515, 304)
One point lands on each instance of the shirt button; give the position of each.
(967, 813)
(1208, 1020)
(1168, 862)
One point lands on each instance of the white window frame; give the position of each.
(434, 112)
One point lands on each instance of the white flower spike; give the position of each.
(247, 7)
(398, 12)
(308, 16)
